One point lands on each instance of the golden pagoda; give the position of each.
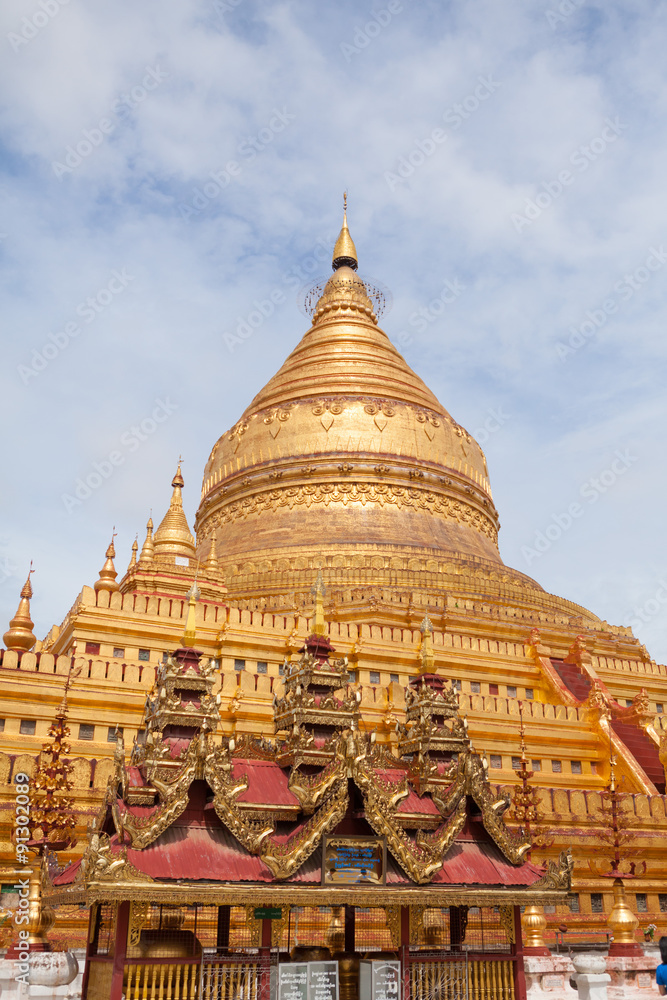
(346, 472)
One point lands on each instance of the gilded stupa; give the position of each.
(347, 459)
(346, 502)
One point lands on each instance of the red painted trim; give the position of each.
(266, 933)
(625, 950)
(518, 953)
(120, 951)
(89, 949)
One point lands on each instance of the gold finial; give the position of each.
(345, 252)
(190, 634)
(133, 558)
(426, 653)
(20, 636)
(147, 549)
(107, 578)
(318, 590)
(178, 478)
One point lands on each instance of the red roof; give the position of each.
(67, 876)
(267, 783)
(204, 850)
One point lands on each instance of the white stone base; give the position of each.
(548, 977)
(601, 977)
(633, 978)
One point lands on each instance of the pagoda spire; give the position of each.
(173, 537)
(345, 252)
(148, 548)
(107, 578)
(20, 636)
(133, 558)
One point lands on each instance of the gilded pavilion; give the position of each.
(346, 555)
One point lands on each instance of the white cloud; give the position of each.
(353, 121)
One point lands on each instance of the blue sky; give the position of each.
(513, 152)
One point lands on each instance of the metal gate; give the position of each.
(462, 978)
(434, 980)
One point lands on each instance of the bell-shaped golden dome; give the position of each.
(345, 457)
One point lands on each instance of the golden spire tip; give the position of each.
(178, 478)
(345, 252)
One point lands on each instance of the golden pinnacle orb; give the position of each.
(20, 636)
(107, 578)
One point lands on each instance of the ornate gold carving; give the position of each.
(421, 858)
(138, 916)
(597, 703)
(311, 790)
(558, 874)
(416, 924)
(392, 915)
(662, 751)
(253, 925)
(278, 927)
(328, 406)
(638, 712)
(102, 864)
(507, 923)
(306, 494)
(284, 859)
